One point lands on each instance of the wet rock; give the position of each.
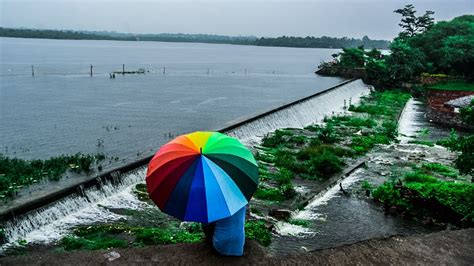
(111, 256)
(366, 132)
(280, 214)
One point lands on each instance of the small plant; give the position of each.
(257, 230)
(299, 222)
(17, 173)
(328, 134)
(422, 142)
(441, 169)
(451, 142)
(366, 185)
(419, 177)
(272, 194)
(283, 176)
(157, 236)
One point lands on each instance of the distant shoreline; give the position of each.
(284, 41)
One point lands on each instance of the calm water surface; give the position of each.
(62, 110)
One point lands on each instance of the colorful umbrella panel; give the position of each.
(202, 177)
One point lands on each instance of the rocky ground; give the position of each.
(442, 248)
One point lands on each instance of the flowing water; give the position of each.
(304, 113)
(52, 222)
(415, 124)
(336, 219)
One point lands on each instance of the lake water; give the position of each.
(62, 110)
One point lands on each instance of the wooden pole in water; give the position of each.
(123, 69)
(32, 71)
(91, 70)
(164, 70)
(245, 72)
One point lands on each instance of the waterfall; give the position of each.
(51, 222)
(54, 221)
(406, 126)
(302, 113)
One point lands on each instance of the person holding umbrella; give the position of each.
(206, 177)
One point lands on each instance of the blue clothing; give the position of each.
(229, 234)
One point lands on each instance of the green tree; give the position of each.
(405, 62)
(352, 57)
(377, 74)
(374, 54)
(449, 46)
(411, 24)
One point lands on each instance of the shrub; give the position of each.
(283, 176)
(419, 177)
(325, 164)
(328, 134)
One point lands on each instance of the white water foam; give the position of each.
(302, 114)
(310, 212)
(287, 229)
(52, 222)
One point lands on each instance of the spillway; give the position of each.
(90, 205)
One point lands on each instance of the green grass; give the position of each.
(160, 236)
(257, 230)
(283, 176)
(421, 188)
(366, 185)
(283, 192)
(387, 103)
(362, 144)
(277, 138)
(17, 173)
(299, 222)
(116, 235)
(272, 194)
(453, 86)
(419, 177)
(441, 169)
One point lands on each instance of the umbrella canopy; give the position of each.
(202, 177)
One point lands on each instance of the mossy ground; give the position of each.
(316, 153)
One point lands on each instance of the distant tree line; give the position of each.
(322, 42)
(284, 41)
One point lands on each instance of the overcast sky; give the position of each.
(269, 18)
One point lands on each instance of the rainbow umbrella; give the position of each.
(202, 177)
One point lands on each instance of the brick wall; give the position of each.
(439, 113)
